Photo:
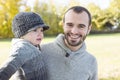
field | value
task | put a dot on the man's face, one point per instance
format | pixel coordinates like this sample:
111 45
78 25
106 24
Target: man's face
76 27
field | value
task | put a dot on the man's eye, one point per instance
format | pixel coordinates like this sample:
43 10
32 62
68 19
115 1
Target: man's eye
69 25
81 26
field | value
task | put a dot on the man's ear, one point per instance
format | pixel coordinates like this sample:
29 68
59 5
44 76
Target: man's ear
89 29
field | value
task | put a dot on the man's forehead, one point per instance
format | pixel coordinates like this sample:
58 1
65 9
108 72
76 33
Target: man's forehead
73 14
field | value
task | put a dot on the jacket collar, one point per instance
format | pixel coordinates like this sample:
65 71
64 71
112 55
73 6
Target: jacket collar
60 42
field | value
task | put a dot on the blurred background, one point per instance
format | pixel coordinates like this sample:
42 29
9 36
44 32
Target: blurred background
105 14
103 41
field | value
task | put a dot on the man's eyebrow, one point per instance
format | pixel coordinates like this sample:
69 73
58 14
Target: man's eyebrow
82 25
69 23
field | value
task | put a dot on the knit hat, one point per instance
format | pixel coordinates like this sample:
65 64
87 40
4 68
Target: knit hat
25 21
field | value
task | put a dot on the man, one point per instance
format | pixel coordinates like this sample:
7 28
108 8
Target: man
66 57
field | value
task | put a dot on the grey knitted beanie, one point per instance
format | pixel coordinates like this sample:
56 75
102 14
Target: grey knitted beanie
25 21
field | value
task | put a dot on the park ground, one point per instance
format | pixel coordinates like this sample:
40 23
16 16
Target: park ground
105 47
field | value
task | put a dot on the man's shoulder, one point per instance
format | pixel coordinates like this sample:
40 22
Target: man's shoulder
48 45
91 56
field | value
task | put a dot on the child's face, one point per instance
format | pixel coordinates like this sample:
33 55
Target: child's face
34 36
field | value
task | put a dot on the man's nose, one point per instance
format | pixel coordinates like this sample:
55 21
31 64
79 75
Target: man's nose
74 30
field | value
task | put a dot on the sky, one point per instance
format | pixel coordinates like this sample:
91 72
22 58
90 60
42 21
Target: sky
101 3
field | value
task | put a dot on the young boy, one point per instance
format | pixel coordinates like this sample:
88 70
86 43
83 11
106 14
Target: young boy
26 57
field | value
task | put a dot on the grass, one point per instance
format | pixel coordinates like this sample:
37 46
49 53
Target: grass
105 47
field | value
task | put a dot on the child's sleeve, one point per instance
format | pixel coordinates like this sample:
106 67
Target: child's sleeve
7 70
13 63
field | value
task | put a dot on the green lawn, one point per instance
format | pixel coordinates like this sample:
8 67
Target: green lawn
105 47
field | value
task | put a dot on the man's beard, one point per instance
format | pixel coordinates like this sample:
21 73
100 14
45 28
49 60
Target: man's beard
73 43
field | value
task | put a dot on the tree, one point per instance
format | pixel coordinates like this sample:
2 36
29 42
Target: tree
48 12
102 19
8 8
96 13
114 9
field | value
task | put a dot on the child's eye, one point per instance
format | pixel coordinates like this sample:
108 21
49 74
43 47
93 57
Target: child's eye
36 30
42 30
